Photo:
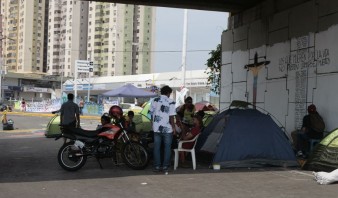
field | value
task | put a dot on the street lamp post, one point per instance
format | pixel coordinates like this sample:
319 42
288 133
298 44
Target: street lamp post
1 67
61 89
1 80
184 47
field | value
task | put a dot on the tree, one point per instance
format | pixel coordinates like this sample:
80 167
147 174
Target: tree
214 68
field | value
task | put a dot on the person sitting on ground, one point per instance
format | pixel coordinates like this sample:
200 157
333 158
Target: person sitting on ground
312 128
188 135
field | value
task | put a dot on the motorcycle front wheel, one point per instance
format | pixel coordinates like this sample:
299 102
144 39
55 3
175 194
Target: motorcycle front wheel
70 157
135 156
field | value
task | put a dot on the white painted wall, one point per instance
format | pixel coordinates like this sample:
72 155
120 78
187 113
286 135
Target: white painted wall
303 69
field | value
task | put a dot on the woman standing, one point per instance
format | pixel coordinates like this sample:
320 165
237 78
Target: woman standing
23 105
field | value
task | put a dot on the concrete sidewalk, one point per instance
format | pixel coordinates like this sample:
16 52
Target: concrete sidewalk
29 167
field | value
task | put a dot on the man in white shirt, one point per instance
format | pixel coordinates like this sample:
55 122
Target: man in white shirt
162 112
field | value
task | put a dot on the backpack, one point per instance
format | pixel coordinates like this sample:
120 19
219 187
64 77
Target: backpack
317 123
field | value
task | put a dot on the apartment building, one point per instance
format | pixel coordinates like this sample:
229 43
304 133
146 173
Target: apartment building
120 38
1 36
23 32
67 36
117 37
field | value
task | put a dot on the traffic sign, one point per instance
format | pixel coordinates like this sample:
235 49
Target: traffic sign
84 66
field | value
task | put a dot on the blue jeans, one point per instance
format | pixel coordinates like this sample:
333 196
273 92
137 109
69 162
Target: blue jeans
167 139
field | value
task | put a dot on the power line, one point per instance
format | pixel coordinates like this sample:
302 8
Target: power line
152 51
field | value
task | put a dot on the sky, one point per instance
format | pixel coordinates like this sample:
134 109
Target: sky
204 33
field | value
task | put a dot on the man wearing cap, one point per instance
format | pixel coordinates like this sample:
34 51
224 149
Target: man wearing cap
312 128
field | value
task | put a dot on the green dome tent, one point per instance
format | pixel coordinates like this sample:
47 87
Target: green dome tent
53 128
325 155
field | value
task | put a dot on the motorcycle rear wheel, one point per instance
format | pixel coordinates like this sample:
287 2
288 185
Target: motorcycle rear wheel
71 158
135 156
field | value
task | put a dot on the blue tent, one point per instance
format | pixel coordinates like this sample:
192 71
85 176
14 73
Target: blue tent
246 138
129 90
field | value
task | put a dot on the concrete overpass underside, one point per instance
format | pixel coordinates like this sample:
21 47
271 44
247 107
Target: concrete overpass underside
299 40
213 5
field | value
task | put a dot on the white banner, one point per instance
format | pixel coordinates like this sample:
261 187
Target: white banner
180 96
35 89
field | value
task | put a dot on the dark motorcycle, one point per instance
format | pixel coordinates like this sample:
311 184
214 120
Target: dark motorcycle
106 142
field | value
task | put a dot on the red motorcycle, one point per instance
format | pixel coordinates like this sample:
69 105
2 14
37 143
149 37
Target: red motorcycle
107 142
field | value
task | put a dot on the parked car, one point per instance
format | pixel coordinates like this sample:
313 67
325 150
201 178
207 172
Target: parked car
130 107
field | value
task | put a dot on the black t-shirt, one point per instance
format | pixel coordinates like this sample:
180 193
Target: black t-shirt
309 131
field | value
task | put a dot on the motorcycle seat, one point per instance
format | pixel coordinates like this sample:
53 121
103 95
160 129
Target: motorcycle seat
82 132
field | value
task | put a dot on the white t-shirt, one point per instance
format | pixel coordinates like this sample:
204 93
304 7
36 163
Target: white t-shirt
161 109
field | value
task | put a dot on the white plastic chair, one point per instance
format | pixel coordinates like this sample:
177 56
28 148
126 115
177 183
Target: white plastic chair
192 151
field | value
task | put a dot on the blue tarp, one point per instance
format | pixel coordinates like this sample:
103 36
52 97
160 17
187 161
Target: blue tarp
246 138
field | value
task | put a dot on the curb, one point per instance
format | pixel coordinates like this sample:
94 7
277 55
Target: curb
47 115
22 131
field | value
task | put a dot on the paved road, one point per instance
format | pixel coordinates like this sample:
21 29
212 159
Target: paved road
29 168
35 123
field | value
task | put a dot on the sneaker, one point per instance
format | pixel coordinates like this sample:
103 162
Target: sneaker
299 154
156 169
165 169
